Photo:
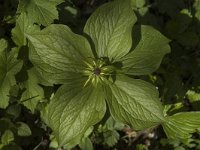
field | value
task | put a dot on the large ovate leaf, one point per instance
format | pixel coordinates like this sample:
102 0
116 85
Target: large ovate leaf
110 28
134 102
73 110
33 92
182 125
39 11
23 26
148 54
59 54
9 67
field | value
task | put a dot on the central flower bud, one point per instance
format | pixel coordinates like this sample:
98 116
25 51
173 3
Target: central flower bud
97 71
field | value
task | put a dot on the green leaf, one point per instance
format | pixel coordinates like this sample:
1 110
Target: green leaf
181 125
188 39
6 123
73 110
194 99
3 45
169 7
137 3
57 2
141 147
53 143
11 146
112 124
59 54
40 78
39 11
14 110
23 129
148 54
7 137
179 24
23 26
134 102
111 137
110 28
9 66
33 93
86 144
196 6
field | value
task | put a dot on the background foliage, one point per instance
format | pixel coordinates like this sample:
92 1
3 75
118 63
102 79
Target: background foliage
177 79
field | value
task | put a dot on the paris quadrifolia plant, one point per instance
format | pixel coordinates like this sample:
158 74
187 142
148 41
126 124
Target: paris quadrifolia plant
98 72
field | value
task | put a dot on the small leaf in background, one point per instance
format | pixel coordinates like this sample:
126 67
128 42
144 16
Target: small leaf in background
33 93
188 39
3 45
172 86
111 137
179 148
196 6
137 3
7 137
178 24
23 129
141 147
57 2
39 11
194 99
23 27
11 146
5 124
170 7
112 124
86 144
9 67
54 142
108 133
14 110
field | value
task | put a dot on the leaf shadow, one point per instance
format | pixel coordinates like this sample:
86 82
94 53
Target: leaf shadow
91 44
